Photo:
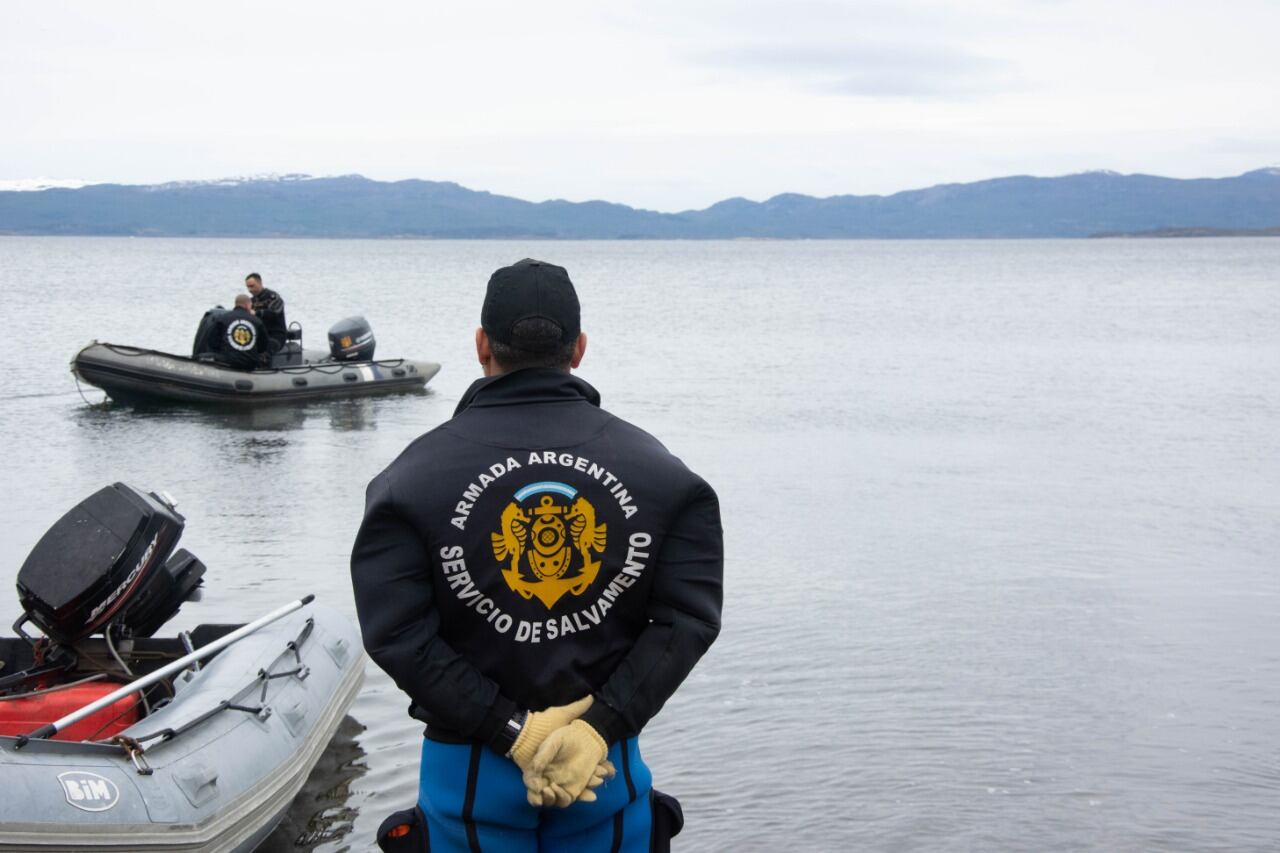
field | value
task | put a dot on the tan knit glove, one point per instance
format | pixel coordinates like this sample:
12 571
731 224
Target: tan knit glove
568 765
542 723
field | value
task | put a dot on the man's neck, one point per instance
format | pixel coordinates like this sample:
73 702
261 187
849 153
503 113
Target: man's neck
491 368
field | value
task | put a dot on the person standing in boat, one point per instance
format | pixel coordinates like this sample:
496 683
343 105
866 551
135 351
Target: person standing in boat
539 576
242 343
269 307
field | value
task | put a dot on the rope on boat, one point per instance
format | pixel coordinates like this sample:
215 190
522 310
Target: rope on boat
134 746
111 647
135 752
48 730
97 676
326 367
76 376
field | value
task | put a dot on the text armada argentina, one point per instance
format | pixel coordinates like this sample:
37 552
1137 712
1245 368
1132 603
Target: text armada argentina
541 457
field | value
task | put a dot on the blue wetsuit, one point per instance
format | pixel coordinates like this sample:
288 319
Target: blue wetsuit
473 799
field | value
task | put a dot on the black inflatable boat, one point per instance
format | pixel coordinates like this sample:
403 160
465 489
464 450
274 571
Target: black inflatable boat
133 374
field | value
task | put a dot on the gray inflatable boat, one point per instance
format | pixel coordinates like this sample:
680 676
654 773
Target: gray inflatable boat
127 741
131 375
219 763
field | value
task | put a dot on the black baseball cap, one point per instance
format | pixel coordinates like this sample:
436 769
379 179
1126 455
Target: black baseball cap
529 289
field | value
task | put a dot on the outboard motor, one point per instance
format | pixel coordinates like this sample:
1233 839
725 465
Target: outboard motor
351 340
106 565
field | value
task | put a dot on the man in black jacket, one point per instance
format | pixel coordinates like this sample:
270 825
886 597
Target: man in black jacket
269 308
242 341
539 577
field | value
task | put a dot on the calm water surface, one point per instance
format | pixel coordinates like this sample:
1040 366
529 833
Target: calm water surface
1002 517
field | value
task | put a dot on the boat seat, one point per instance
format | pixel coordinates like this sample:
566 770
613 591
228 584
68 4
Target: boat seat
290 355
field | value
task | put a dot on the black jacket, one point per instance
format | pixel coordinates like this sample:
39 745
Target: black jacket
208 339
532 550
242 341
269 307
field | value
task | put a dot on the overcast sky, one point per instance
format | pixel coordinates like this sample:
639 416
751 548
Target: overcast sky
666 104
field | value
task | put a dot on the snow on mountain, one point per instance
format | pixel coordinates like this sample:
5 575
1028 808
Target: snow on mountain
269 177
36 184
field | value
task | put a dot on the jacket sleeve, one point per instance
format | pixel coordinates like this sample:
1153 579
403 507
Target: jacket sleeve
395 602
684 619
261 342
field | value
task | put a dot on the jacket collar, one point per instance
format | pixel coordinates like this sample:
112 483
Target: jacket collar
531 385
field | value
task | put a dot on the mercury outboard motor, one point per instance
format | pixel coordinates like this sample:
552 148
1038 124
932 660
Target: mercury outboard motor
351 340
106 565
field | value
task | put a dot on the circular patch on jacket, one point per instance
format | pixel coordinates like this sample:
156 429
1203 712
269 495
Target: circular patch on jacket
240 335
556 550
540 534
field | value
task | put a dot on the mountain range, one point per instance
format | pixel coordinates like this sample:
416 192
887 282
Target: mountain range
1079 205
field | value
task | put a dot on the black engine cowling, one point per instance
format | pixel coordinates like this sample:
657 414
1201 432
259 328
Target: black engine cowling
351 339
107 562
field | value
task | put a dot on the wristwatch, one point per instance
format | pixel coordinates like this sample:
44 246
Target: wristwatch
512 728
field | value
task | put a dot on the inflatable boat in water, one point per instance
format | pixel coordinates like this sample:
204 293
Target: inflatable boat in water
132 375
113 739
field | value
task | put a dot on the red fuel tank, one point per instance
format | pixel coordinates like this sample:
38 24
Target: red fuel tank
22 714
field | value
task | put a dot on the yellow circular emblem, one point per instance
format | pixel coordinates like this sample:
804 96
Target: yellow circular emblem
550 548
240 335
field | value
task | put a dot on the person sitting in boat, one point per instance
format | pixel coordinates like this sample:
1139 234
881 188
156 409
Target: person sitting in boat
269 306
243 342
209 333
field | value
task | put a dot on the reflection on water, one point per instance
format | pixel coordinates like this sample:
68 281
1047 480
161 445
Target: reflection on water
353 415
260 449
350 415
323 813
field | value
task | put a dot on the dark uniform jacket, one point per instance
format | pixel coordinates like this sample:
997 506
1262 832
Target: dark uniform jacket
208 339
269 307
242 342
532 550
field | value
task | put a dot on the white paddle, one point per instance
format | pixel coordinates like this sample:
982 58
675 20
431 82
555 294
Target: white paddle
51 729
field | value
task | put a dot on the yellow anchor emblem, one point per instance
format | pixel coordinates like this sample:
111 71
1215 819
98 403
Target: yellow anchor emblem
540 548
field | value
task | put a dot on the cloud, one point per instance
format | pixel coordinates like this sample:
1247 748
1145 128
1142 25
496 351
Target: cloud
870 69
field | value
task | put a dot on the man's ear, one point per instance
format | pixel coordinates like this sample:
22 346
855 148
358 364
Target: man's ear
579 350
483 352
